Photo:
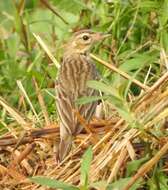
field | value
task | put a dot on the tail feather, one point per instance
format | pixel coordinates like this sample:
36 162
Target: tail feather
64 147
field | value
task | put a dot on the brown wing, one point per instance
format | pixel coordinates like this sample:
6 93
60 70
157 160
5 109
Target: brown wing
65 108
67 121
72 80
88 110
68 90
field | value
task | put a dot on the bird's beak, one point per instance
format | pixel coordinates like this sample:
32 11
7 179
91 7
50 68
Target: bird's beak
100 36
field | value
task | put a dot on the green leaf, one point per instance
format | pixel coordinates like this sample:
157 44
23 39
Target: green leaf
163 13
136 63
123 110
139 61
164 40
73 6
86 99
149 4
158 179
133 166
103 87
13 45
118 185
85 166
99 185
52 183
114 98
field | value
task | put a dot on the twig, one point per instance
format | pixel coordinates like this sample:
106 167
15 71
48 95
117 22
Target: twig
47 51
23 155
94 138
156 85
19 140
23 91
137 49
14 113
122 73
46 3
15 174
118 164
159 82
41 102
163 58
29 137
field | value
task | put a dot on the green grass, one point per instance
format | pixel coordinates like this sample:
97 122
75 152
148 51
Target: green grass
138 28
139 41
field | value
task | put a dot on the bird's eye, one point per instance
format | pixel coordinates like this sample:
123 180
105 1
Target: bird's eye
85 37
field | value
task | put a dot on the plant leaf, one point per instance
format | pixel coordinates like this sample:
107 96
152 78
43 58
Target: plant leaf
133 166
89 99
113 97
118 185
73 6
99 185
52 183
85 166
98 85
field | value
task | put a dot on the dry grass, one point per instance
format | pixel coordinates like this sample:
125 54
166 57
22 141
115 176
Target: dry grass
114 145
137 51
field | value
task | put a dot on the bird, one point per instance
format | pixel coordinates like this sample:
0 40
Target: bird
76 69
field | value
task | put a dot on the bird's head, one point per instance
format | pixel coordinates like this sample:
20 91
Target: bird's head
82 40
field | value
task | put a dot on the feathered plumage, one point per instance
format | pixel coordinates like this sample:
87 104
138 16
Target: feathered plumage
76 69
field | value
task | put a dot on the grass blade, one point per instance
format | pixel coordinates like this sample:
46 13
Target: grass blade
52 183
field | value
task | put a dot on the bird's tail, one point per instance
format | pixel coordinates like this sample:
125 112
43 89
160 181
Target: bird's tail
64 147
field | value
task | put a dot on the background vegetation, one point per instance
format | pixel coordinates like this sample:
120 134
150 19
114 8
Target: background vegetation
138 46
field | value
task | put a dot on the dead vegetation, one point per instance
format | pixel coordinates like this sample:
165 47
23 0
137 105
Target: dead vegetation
113 142
134 63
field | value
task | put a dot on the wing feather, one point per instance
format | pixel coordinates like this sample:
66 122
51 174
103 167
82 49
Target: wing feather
74 74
